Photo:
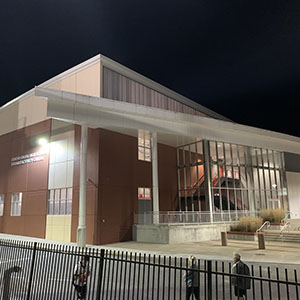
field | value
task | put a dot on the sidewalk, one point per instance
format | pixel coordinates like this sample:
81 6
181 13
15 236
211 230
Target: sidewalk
276 252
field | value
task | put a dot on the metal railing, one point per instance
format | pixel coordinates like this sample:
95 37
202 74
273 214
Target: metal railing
189 217
288 216
267 223
38 271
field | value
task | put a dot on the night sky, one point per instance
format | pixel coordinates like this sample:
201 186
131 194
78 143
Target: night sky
238 58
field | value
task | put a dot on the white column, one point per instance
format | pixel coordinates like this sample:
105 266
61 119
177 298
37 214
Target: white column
81 230
155 196
208 195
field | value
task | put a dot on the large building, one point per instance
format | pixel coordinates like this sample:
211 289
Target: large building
150 152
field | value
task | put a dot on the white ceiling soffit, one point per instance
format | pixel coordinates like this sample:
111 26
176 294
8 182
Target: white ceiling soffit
127 117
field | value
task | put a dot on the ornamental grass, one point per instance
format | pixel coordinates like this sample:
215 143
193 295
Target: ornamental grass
247 224
272 215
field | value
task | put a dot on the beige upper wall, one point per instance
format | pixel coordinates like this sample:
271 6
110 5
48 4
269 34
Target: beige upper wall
30 109
86 81
26 112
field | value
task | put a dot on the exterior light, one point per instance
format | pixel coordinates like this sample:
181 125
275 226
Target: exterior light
42 142
274 185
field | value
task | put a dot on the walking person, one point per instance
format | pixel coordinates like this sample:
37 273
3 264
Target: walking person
81 273
241 284
192 279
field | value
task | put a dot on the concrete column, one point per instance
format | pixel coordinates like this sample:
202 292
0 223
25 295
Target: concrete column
208 196
81 230
155 196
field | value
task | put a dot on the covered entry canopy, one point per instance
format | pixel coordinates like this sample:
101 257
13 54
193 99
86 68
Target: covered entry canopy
173 128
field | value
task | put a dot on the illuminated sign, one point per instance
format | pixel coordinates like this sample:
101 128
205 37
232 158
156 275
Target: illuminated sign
28 158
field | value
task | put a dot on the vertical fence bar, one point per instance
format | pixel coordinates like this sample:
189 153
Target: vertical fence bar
112 274
31 271
180 275
217 293
261 283
158 278
134 271
175 270
143 282
270 285
139 276
105 274
148 276
296 284
278 284
169 280
223 280
229 271
100 275
153 277
108 273
209 280
121 274
117 273
287 285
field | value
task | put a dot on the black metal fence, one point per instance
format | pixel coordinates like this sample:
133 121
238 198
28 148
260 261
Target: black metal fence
45 271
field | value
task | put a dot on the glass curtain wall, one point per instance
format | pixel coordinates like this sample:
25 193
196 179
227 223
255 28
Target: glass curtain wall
242 178
191 192
246 178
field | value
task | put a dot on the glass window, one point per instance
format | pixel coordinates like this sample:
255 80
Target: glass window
144 193
228 154
241 155
16 204
234 154
144 145
213 155
60 201
1 204
220 153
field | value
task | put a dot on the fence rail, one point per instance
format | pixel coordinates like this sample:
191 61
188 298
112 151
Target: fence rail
42 271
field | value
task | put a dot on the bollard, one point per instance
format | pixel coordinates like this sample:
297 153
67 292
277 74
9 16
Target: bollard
224 238
261 240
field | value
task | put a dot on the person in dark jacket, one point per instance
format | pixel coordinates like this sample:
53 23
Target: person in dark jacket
241 284
192 279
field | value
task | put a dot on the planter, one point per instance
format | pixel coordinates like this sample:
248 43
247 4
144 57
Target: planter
242 236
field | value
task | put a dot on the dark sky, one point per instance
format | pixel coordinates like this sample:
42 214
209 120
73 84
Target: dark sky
238 58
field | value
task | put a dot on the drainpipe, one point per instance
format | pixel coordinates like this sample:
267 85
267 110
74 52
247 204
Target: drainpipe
81 230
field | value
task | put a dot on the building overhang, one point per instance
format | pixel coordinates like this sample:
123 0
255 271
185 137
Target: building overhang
173 128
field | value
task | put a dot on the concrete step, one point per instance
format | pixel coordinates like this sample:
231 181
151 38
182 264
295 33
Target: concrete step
285 236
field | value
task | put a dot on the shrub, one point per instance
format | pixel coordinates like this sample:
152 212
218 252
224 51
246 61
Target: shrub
248 224
272 215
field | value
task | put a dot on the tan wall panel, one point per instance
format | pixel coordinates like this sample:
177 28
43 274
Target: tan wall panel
26 112
59 228
85 82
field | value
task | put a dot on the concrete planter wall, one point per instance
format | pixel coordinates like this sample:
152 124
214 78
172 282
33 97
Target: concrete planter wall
175 234
242 236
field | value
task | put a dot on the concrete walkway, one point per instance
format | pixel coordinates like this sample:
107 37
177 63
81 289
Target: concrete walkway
276 252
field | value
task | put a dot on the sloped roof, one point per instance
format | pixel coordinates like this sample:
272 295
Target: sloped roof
105 61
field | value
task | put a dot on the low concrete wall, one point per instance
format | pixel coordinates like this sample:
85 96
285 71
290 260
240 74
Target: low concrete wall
176 234
241 236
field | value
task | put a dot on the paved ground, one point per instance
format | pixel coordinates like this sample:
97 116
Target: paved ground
276 252
286 253
124 280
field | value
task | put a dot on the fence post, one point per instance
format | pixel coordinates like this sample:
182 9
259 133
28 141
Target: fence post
31 270
209 280
102 253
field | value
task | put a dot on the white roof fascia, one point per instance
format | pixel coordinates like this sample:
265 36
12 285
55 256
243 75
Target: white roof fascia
212 125
111 64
